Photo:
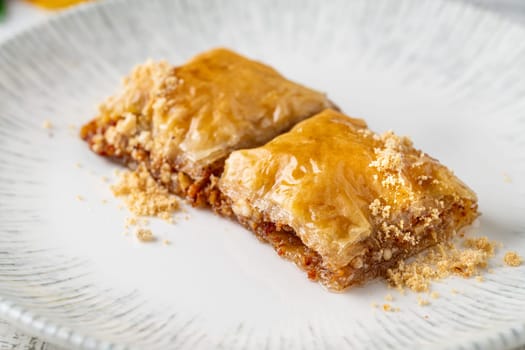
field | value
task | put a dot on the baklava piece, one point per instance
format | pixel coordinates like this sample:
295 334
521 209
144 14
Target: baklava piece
342 202
182 122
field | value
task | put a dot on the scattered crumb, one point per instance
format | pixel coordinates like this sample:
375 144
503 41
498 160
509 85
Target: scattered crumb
78 165
397 309
71 127
125 233
186 217
104 179
374 305
506 178
47 124
143 195
387 307
104 201
482 244
512 259
454 291
144 235
389 297
434 295
79 197
422 302
166 242
425 317
480 278
131 221
441 261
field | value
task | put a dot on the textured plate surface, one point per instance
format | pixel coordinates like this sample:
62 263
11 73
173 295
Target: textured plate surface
451 77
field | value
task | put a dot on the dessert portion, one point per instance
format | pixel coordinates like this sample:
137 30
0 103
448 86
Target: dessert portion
182 122
343 203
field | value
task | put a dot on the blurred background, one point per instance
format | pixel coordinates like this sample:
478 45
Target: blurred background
18 14
15 15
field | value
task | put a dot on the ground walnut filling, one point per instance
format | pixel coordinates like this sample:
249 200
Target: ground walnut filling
127 143
376 256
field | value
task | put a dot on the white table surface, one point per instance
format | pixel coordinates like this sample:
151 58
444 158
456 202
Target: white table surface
20 16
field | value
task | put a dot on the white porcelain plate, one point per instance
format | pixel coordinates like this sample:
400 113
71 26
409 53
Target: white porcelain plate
449 76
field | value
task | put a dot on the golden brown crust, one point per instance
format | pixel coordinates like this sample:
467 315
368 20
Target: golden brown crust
187 119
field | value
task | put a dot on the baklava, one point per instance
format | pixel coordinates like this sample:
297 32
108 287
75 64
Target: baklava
342 202
182 122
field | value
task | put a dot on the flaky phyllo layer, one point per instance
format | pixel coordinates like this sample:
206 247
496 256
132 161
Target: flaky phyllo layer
189 118
355 198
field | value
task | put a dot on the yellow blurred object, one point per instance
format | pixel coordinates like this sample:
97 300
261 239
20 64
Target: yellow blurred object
55 4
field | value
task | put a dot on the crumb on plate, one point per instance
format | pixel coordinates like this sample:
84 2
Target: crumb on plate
512 259
143 195
47 124
144 235
441 261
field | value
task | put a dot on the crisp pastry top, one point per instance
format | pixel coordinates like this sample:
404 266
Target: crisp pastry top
329 176
198 113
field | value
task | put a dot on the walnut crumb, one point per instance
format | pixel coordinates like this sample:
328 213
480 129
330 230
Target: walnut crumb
143 195
79 198
512 259
131 221
422 302
441 261
387 307
47 124
434 295
166 242
144 235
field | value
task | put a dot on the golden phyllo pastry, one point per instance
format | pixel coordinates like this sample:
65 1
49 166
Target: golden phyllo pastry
182 122
342 202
